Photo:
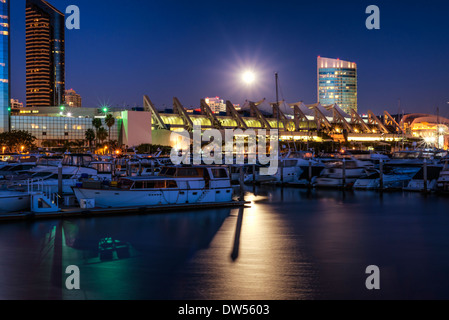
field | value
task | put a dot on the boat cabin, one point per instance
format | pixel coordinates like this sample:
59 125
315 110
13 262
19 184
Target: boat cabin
179 177
49 161
102 167
77 160
196 172
137 184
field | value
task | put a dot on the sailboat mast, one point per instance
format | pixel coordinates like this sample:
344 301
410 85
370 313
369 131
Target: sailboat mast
277 112
277 98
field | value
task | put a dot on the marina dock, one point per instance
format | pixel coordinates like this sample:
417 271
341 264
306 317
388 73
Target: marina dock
74 213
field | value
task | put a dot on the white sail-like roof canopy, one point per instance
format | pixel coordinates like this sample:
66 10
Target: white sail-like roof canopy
304 109
327 113
286 109
246 106
265 108
338 109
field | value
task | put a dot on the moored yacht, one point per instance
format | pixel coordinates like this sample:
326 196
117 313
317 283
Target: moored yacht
390 181
341 173
414 158
443 179
288 171
173 186
425 179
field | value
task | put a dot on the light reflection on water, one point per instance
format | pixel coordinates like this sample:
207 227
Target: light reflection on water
290 244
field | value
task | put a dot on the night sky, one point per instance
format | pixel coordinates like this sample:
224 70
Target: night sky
193 49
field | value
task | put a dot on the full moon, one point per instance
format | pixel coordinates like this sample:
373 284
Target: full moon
248 77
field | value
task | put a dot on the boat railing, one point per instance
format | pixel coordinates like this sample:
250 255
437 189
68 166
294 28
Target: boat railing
38 185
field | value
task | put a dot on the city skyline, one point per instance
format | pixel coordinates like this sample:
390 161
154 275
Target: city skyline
202 50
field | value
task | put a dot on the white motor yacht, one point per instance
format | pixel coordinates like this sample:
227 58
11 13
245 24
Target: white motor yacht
173 186
341 173
419 183
443 179
414 158
75 168
391 181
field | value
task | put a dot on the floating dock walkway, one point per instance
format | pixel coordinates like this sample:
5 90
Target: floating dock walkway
72 213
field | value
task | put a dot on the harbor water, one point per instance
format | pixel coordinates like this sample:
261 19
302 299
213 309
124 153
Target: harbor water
288 244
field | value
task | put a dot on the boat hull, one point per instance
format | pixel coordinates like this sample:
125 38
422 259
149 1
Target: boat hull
147 198
418 185
14 202
390 182
326 182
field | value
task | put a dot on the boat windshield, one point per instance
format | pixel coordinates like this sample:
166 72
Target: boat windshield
46 161
406 155
125 184
155 184
290 163
220 173
102 167
77 160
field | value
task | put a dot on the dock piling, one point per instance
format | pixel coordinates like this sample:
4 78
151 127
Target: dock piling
254 174
242 182
425 175
282 172
381 169
60 180
310 173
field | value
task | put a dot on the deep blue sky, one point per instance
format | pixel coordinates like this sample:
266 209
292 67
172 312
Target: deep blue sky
192 49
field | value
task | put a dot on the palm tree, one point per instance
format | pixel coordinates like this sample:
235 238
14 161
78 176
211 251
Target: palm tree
90 136
97 123
102 134
110 121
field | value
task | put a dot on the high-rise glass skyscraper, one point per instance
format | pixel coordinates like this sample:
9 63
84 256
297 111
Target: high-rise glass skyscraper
4 65
337 83
45 55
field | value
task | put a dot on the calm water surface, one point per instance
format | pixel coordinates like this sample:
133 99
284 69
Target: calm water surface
290 244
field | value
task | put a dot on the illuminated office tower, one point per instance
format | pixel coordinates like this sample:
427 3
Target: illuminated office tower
45 55
216 104
337 83
5 90
72 99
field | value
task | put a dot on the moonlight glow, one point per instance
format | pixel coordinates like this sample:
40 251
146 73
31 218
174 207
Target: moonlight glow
248 77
